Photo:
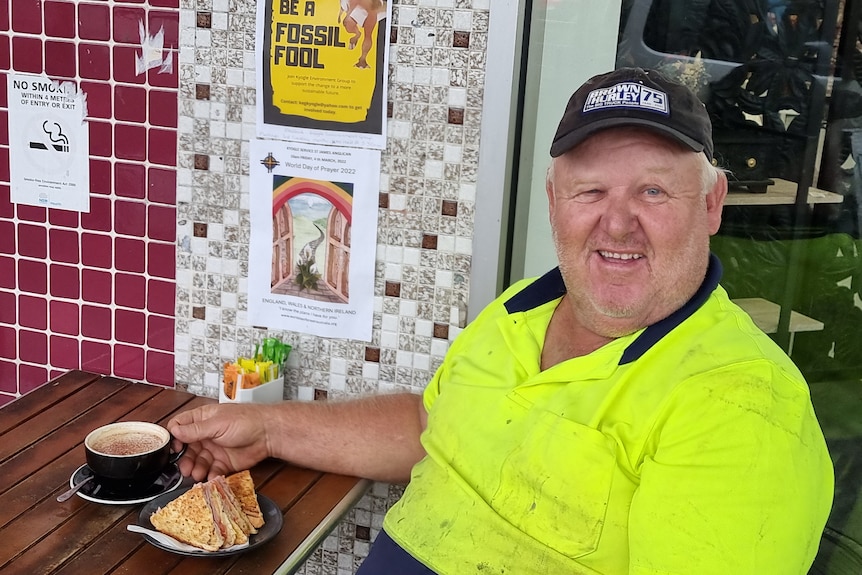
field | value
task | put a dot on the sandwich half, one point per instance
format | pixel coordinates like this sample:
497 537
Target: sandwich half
242 486
189 518
236 516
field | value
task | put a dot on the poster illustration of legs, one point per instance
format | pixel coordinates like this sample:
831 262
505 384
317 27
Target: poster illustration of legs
313 238
323 71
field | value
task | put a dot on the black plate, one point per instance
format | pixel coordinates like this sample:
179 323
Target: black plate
273 521
94 491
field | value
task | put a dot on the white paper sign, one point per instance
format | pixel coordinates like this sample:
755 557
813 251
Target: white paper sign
49 143
313 238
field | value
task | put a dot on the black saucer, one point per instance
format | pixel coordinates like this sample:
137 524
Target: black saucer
98 492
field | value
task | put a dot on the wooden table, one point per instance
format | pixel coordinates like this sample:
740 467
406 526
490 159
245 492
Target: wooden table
41 437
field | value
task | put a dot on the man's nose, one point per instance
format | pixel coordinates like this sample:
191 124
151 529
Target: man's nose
620 215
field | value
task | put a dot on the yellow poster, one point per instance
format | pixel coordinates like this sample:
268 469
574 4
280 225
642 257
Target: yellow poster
323 65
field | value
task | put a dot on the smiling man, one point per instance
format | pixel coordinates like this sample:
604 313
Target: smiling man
618 415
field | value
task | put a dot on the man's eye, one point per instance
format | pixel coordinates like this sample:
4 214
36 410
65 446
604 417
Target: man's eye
587 196
654 194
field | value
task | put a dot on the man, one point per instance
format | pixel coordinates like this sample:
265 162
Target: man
618 415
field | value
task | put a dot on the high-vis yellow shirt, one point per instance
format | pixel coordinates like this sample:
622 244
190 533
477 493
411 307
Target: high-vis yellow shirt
690 447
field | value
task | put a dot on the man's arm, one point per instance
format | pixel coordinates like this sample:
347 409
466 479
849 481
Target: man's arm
374 437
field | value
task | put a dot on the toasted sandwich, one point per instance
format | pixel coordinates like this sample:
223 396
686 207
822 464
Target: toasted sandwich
210 515
242 486
190 519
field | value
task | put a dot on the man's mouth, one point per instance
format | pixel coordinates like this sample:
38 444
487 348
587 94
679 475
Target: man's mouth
619 255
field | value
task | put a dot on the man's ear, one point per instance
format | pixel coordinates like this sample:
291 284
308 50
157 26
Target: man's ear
715 202
549 187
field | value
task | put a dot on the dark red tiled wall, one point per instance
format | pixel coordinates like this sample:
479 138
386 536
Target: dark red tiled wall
95 290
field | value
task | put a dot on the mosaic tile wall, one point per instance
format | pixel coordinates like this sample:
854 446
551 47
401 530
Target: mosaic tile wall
94 290
426 206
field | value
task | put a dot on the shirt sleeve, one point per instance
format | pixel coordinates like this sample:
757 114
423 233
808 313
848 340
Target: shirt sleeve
735 478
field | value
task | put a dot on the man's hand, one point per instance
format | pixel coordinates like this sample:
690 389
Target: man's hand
221 439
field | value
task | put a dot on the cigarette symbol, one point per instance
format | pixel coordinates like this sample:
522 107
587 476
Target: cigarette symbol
60 142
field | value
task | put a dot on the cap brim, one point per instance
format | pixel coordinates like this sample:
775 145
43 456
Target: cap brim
575 137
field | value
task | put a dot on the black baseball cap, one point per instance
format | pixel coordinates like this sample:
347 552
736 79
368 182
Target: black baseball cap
634 97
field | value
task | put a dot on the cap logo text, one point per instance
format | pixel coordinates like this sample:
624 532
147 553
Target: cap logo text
627 95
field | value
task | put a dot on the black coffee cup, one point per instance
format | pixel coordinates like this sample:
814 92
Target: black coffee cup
129 454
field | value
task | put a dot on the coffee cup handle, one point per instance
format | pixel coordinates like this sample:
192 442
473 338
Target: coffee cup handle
176 455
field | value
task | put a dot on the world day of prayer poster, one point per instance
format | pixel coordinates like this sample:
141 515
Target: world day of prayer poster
323 71
49 143
313 238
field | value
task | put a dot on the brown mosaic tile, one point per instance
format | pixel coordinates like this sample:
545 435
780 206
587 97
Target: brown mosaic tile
393 289
429 241
393 35
363 533
461 40
202 91
205 20
390 107
450 208
320 394
441 331
456 116
199 312
383 200
200 230
202 162
372 354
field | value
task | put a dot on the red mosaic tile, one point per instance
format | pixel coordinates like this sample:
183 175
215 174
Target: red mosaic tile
126 20
100 177
4 399
4 14
94 61
101 139
4 164
5 53
59 19
130 180
65 281
130 104
94 22
27 16
64 352
160 368
162 223
97 286
163 147
162 186
32 277
27 54
8 343
131 290
8 309
165 76
30 377
130 218
96 322
63 218
161 260
32 213
64 317
96 357
60 59
99 102
33 312
96 251
32 241
163 108
130 142
99 217
33 346
7 237
8 273
124 65
129 362
4 127
129 255
167 21
160 332
161 297
63 246
4 94
129 326
7 209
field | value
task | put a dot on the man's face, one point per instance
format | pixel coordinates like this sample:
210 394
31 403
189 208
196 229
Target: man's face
631 226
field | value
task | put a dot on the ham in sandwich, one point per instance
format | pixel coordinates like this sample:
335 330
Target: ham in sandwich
242 486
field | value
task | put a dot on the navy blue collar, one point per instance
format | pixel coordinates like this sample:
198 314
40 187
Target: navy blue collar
550 287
